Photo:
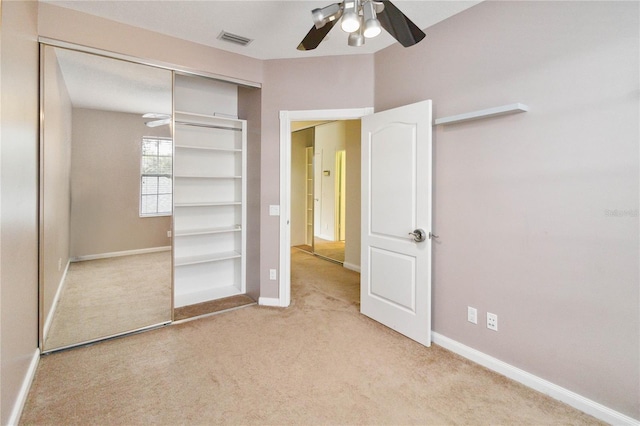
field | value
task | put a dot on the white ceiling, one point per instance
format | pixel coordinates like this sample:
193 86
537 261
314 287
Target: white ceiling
108 84
277 27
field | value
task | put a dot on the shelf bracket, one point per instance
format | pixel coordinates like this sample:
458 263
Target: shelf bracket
484 113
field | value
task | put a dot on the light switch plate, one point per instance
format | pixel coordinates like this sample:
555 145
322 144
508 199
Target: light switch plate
274 210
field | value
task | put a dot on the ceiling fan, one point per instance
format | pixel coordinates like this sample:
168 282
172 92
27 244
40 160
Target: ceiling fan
361 19
157 119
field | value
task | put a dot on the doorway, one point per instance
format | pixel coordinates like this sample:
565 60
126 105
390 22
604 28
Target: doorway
286 119
319 187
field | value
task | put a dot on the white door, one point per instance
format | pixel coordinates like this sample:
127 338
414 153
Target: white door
396 200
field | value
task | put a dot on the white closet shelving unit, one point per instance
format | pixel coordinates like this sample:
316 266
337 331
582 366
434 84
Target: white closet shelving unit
209 193
309 197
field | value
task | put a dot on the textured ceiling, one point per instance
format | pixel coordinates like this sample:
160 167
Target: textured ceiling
277 27
112 85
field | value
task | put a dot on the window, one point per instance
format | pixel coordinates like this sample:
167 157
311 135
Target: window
155 177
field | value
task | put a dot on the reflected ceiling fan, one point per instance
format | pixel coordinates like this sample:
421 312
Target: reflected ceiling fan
157 119
361 19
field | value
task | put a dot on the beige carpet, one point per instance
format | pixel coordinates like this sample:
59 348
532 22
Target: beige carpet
111 296
330 249
316 362
212 306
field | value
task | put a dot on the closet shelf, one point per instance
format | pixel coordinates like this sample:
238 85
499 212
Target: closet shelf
204 120
205 231
208 148
180 176
207 258
209 204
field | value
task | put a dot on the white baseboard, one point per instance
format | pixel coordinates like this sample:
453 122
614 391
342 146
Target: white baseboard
119 253
325 237
351 266
586 405
54 304
269 301
16 412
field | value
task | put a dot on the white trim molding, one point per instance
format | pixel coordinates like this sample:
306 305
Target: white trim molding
119 253
54 304
286 117
579 402
270 301
149 62
16 412
351 267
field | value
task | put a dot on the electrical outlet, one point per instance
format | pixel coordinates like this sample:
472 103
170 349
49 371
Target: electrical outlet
492 321
273 274
168 234
472 315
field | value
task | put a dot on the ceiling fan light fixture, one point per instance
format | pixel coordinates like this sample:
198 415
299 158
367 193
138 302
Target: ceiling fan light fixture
350 18
356 39
362 19
372 27
326 14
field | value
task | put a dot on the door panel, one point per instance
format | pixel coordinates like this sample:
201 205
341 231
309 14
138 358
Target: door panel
388 194
396 192
387 268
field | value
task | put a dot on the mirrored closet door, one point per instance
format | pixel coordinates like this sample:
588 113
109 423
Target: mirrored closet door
319 187
105 197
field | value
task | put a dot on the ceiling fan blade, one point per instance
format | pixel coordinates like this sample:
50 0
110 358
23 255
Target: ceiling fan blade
156 123
156 115
315 36
399 26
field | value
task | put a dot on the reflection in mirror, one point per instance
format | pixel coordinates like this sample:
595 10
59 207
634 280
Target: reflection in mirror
329 229
105 209
319 186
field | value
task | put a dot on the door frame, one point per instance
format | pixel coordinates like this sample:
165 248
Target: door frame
286 117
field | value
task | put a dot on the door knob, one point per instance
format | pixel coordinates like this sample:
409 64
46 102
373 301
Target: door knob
418 235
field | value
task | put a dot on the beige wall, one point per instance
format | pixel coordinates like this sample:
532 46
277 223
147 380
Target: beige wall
352 240
18 198
105 185
249 108
525 204
55 180
332 82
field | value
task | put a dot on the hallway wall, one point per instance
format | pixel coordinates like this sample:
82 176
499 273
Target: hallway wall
327 83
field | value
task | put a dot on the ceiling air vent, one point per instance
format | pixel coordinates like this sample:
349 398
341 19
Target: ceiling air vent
233 38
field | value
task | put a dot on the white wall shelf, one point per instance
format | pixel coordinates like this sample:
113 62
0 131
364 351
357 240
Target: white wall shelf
484 113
